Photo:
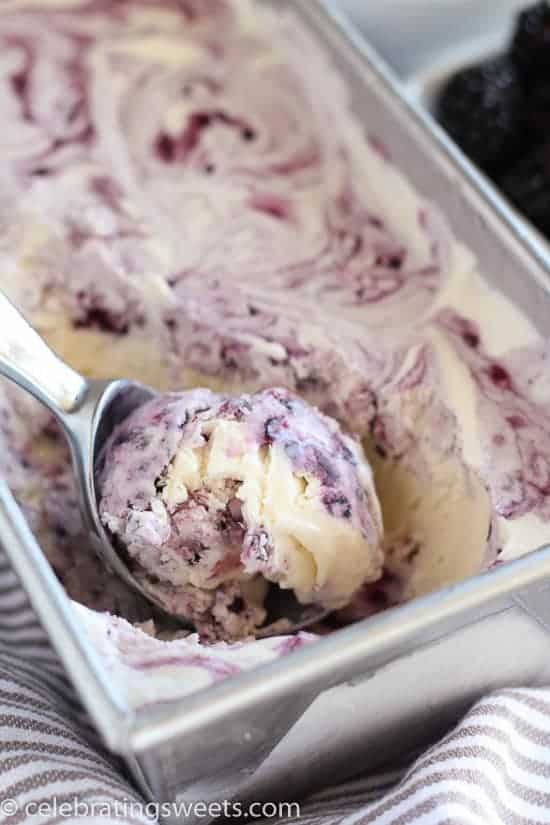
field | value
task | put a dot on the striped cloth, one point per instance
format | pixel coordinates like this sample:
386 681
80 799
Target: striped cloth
492 769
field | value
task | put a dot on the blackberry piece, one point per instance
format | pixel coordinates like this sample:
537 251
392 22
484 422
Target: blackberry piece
481 108
536 115
527 185
530 47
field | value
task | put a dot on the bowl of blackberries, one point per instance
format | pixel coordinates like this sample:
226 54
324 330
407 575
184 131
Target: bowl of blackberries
498 111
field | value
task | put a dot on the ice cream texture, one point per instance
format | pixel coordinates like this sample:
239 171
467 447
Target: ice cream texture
214 497
180 205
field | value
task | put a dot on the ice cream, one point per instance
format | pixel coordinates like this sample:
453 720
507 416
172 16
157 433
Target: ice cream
180 205
154 666
214 497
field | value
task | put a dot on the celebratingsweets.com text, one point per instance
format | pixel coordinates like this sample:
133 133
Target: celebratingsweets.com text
65 808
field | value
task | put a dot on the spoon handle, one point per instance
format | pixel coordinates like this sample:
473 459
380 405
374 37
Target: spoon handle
26 359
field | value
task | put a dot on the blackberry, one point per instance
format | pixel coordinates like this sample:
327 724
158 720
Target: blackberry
536 115
530 48
527 185
481 108
97 317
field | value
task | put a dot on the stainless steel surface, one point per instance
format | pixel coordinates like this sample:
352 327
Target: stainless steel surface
26 359
87 411
103 701
359 696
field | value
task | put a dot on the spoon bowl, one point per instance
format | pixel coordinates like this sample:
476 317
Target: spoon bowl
88 410
105 405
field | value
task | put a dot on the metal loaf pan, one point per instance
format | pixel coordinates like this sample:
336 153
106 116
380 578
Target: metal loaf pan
364 694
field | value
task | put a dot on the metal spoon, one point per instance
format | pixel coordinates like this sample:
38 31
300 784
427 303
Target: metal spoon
88 410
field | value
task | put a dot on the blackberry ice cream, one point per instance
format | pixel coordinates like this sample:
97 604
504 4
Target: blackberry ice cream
179 205
213 497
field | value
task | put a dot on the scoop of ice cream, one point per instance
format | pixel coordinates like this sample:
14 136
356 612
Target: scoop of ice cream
213 497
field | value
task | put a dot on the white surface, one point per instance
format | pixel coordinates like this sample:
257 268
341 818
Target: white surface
425 84
411 33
